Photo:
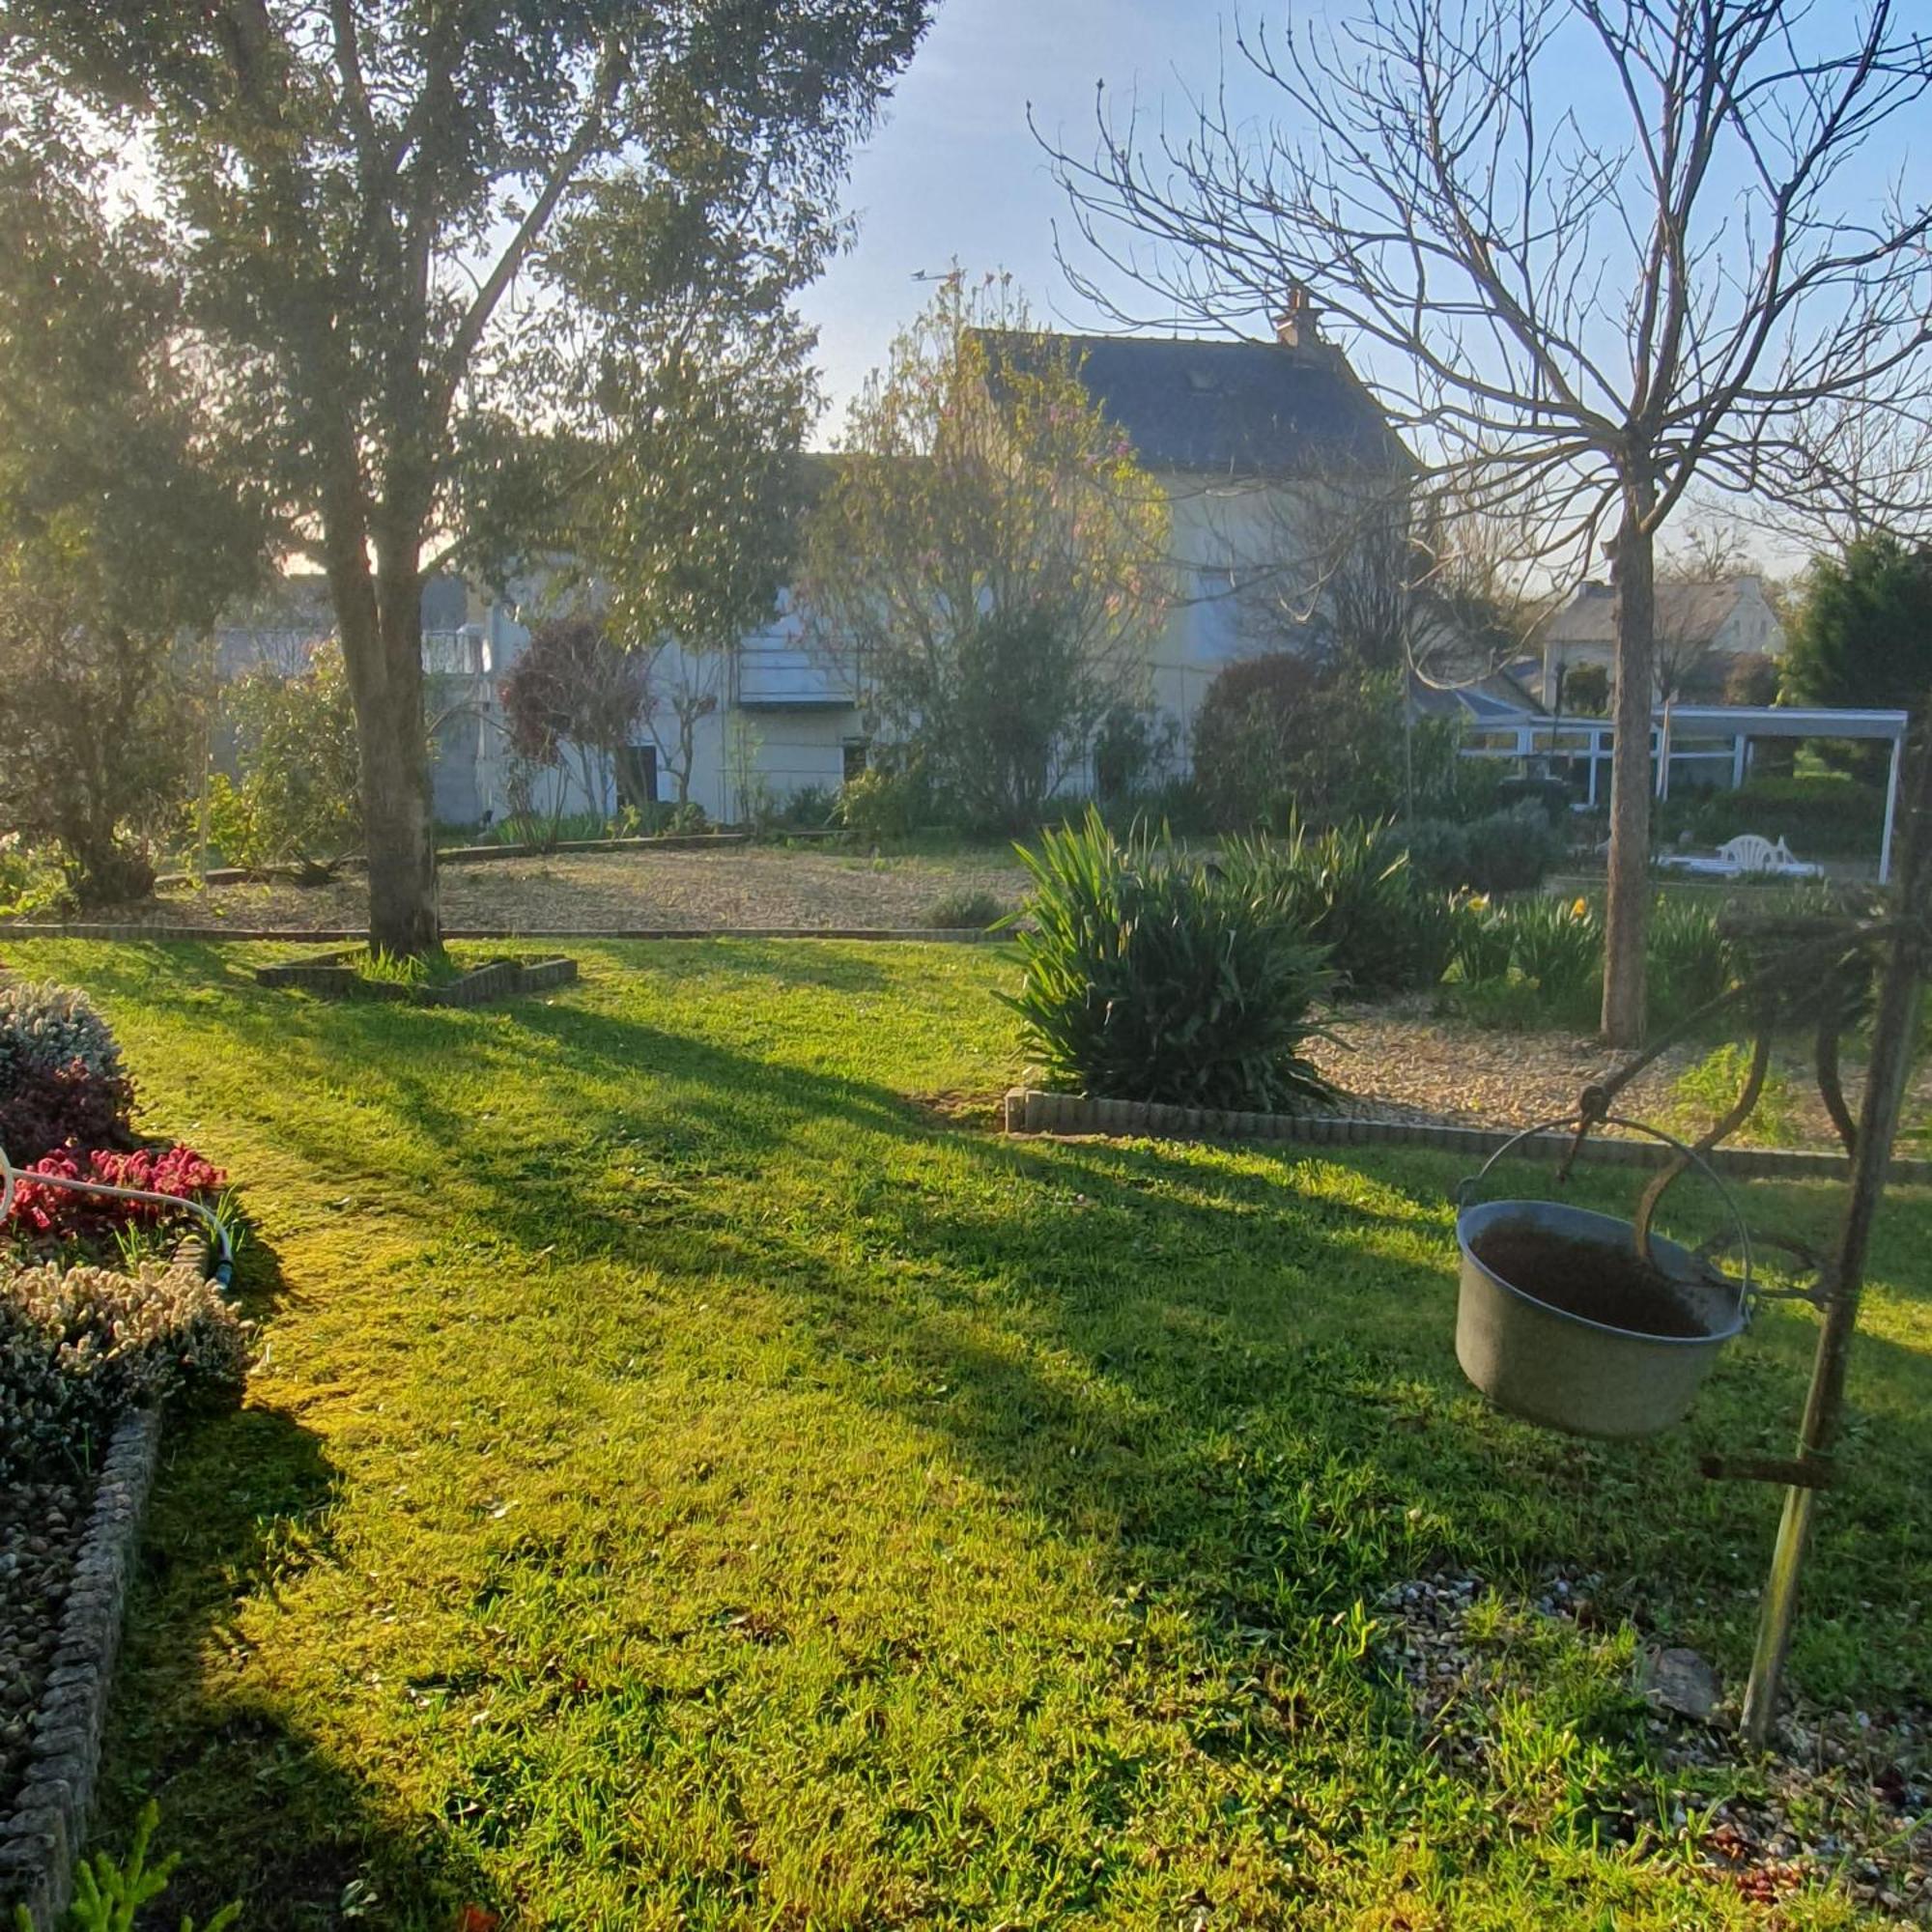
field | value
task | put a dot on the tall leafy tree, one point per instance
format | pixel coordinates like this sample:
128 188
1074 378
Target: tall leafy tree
989 558
377 201
121 526
1862 635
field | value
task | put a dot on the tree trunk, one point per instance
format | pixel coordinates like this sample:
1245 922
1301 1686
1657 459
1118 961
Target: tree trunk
382 648
1634 577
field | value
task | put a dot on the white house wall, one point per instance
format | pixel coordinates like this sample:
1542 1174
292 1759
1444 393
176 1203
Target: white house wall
781 723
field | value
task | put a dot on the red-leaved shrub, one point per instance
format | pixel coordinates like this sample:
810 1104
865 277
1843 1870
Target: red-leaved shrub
178 1171
43 1108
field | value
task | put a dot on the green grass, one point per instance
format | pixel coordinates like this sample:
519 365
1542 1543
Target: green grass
688 1483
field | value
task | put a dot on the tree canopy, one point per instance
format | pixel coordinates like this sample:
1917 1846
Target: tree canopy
121 525
989 558
387 216
1863 634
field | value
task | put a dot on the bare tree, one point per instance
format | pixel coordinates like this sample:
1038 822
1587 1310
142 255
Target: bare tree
1575 322
685 686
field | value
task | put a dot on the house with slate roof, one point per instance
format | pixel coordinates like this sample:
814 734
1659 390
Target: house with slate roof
1260 447
1705 628
1270 454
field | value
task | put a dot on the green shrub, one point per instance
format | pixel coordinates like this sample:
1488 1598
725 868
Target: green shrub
882 804
963 912
110 1893
1279 737
1352 890
1705 1093
32 882
298 800
1482 940
1832 815
46 1025
1689 963
1508 851
1151 975
1557 944
809 808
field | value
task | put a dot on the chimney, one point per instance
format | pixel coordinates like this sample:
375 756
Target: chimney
1299 324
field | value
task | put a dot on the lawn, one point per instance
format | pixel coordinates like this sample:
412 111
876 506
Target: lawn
691 1482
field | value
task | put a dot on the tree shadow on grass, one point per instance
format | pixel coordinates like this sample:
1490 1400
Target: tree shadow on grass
1279 1315
244 1505
1234 1378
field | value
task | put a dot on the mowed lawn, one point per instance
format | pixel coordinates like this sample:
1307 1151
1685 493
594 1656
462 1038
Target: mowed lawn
691 1481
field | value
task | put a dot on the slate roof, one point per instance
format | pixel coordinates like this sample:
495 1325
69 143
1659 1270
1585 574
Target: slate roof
1495 699
1235 409
1693 612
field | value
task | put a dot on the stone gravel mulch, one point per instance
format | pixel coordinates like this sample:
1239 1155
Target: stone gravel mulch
1846 1802
586 892
1408 1061
42 1523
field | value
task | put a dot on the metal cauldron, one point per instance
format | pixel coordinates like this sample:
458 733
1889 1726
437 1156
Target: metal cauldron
1565 1370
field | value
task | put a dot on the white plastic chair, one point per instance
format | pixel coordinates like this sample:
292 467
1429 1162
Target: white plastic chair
1754 852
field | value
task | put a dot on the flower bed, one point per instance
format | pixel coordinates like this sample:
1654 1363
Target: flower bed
106 1316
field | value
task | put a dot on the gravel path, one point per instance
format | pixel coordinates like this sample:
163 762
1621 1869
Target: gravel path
755 885
1845 1804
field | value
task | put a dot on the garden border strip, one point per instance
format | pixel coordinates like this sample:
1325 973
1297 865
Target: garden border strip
331 976
1030 1111
40 1838
326 935
470 855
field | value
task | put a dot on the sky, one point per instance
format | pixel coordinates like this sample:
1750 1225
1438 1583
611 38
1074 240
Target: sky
954 172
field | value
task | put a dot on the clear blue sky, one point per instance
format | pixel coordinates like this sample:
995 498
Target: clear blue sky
955 173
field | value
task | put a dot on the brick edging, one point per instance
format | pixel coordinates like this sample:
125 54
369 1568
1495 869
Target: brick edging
1030 1111
330 976
332 935
40 1838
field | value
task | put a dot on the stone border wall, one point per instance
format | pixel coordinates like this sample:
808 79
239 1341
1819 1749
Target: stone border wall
471 855
43 1837
1029 1111
331 976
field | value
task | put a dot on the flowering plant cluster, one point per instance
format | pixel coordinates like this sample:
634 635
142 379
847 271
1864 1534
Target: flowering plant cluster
178 1171
81 1346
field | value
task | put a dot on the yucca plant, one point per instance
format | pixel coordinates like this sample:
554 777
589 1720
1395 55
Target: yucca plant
1352 890
1688 961
1152 976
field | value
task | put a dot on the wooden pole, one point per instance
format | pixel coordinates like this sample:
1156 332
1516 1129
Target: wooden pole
1894 1028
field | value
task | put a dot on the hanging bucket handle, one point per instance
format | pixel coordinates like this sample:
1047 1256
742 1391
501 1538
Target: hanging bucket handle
1747 1293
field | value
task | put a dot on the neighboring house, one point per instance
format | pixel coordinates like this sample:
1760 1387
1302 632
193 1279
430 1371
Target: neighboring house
1271 455
1703 631
1266 452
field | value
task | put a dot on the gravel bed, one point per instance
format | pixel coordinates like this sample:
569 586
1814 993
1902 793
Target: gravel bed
1403 1060
1846 1802
42 1523
754 886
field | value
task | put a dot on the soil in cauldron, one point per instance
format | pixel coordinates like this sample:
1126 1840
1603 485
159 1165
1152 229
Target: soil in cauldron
1601 1284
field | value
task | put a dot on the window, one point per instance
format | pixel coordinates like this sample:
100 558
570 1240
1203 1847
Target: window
855 751
638 776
